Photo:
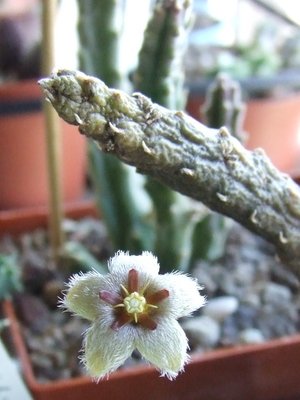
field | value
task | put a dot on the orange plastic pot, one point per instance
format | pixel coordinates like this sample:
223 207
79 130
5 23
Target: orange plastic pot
23 166
256 372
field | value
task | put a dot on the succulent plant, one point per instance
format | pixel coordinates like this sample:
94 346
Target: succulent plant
112 181
206 164
223 107
10 275
173 226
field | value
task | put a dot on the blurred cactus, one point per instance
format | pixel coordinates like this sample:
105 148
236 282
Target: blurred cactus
99 34
160 76
76 257
10 275
223 107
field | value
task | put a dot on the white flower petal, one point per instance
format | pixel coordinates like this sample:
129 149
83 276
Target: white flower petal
176 295
122 263
106 349
165 347
184 296
82 297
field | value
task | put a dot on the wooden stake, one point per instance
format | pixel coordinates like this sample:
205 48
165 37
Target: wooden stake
53 138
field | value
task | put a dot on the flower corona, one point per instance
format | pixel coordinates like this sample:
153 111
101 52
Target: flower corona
133 305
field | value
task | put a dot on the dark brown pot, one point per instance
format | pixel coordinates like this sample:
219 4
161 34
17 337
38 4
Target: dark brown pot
23 178
256 372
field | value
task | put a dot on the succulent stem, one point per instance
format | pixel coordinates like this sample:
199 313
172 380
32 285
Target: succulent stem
209 165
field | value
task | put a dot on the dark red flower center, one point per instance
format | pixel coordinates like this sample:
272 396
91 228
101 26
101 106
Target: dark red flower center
133 305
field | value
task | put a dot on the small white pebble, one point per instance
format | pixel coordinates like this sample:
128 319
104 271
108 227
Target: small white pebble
202 331
251 336
221 307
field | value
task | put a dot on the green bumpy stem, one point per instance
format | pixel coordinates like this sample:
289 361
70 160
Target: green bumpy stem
160 76
128 228
175 218
99 39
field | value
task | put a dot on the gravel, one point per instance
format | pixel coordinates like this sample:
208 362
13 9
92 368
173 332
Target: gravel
251 298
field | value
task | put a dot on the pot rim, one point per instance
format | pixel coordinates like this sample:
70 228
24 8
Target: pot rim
206 359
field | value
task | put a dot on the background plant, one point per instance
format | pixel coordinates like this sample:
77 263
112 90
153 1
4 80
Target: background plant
113 182
10 275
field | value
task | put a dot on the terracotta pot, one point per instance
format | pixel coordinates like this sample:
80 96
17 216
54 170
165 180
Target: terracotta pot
10 8
273 125
21 220
23 177
256 372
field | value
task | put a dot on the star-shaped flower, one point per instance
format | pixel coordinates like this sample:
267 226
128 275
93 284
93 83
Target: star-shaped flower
133 307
